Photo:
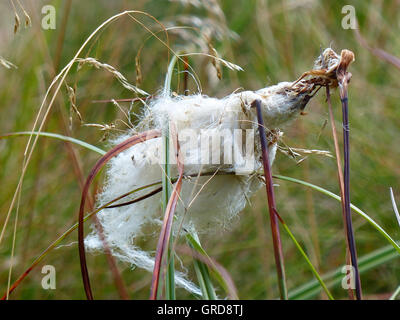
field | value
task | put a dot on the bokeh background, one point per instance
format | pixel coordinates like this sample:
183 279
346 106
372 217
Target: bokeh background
273 41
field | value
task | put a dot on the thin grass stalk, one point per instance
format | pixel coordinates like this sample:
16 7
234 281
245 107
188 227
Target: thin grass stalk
166 193
165 234
36 188
340 178
350 232
278 252
313 270
394 205
343 78
100 163
13 244
166 184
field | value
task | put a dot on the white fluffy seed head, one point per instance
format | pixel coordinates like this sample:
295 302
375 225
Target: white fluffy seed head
206 202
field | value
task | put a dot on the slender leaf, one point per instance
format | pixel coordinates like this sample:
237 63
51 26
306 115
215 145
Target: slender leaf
56 136
100 163
353 207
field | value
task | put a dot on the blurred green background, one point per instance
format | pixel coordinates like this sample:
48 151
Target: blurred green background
273 41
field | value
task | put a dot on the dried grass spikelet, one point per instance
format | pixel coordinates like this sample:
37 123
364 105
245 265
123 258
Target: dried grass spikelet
118 75
211 201
17 20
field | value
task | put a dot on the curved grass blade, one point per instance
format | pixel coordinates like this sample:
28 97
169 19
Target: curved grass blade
353 207
56 136
313 270
100 163
335 277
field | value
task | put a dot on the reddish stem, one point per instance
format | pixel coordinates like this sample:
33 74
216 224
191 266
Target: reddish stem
276 238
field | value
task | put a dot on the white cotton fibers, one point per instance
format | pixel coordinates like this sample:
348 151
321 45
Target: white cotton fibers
219 139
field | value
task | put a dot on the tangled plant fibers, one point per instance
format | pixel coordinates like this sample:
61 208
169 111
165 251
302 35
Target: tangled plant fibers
210 200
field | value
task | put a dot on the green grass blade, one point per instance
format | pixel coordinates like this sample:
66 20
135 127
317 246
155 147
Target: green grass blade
166 193
353 207
335 277
219 277
56 136
203 275
313 270
395 294
200 278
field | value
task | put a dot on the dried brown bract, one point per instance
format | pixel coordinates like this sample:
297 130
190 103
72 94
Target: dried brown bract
327 68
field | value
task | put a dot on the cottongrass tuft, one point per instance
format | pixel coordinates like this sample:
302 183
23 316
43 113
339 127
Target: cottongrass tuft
215 193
